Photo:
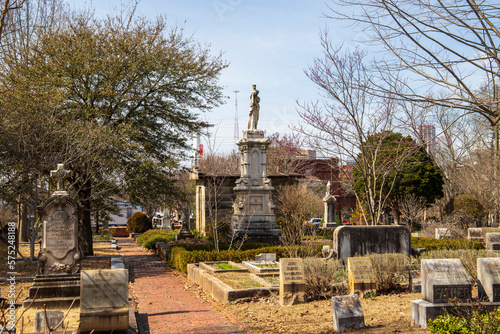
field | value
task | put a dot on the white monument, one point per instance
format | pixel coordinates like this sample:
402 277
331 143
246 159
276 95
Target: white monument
329 202
253 218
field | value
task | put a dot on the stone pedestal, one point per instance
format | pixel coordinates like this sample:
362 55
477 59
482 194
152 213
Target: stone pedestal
253 219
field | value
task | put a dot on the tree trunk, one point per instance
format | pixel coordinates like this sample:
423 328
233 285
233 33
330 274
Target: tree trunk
22 221
85 194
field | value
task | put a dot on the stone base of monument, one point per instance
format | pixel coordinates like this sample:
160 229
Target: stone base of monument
330 225
258 232
105 321
55 291
422 311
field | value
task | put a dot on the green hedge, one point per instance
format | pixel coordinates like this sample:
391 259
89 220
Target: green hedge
180 256
440 244
149 238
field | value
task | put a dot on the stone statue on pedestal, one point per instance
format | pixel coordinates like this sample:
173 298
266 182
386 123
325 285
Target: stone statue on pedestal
254 108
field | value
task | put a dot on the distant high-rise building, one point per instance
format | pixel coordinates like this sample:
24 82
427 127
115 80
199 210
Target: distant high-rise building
428 136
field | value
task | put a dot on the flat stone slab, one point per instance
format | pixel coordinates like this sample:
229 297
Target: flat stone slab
492 241
347 313
260 266
445 279
54 318
265 257
488 275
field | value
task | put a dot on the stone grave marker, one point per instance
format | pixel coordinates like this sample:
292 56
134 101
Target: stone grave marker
360 274
265 257
347 313
292 282
445 279
492 241
475 234
351 241
57 282
104 300
488 275
54 318
443 233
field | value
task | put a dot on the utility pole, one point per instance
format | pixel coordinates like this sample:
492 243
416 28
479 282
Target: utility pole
236 128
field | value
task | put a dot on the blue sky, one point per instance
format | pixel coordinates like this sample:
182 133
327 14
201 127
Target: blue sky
269 43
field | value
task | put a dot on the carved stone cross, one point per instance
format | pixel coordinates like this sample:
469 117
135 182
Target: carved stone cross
60 173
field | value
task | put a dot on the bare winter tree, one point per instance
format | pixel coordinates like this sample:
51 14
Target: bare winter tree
411 207
447 50
344 124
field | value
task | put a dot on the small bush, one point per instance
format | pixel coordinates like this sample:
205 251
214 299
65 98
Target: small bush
389 270
478 323
325 279
149 239
441 244
139 222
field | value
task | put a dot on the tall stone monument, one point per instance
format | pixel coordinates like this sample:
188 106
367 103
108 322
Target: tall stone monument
329 202
253 217
59 262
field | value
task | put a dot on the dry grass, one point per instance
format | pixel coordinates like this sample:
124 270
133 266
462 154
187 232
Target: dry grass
324 278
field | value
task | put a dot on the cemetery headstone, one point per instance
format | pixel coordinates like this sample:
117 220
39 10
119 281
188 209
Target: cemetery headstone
54 318
445 279
351 241
265 257
292 282
443 233
104 300
492 241
57 282
475 234
360 274
347 313
488 275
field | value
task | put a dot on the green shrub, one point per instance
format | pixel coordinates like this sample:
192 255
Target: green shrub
468 204
139 222
149 239
478 323
437 244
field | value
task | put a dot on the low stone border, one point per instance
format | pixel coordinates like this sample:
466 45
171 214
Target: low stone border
220 290
208 266
162 250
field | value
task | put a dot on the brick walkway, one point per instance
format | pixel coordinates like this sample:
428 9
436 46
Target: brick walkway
164 304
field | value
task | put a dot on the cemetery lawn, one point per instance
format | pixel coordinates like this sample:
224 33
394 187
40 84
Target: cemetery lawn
383 314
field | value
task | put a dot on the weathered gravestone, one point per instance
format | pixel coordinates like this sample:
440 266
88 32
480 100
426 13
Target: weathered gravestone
349 241
104 300
443 280
347 313
53 320
292 282
59 263
488 275
475 234
360 274
265 257
492 241
443 233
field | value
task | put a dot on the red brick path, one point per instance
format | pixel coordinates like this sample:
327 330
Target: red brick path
164 304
